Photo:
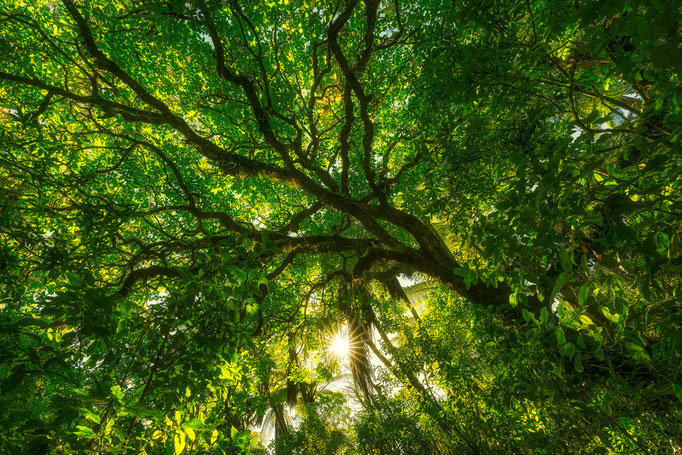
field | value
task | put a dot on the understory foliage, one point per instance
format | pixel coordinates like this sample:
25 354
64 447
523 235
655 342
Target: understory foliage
197 197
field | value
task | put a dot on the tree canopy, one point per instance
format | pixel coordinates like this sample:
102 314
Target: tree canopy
483 198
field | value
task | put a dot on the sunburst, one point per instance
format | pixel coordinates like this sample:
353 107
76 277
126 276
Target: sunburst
340 345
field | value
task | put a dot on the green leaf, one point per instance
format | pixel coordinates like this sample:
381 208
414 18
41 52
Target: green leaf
638 353
562 279
560 337
580 342
578 363
85 396
117 393
142 412
615 318
544 314
469 276
240 275
88 414
592 117
74 280
585 321
599 353
84 432
27 322
527 315
567 350
677 388
126 307
195 424
535 338
583 293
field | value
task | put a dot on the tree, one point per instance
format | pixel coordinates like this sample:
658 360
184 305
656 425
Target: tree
195 193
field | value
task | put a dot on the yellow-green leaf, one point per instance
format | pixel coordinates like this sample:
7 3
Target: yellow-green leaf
179 442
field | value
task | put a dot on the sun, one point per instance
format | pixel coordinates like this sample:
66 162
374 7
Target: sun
340 345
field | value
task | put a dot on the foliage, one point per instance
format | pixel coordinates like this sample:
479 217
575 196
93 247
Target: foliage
195 197
390 426
323 428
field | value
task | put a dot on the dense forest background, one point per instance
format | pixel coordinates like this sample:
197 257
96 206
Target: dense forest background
379 227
